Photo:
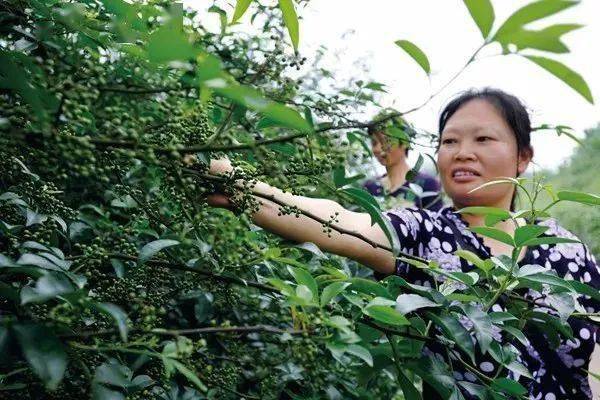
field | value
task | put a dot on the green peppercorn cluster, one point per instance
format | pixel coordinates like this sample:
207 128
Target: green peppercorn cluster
94 167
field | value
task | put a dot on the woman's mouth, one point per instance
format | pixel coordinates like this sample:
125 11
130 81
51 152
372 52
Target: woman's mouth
464 175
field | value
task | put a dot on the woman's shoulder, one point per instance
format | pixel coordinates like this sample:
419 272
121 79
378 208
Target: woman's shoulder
427 181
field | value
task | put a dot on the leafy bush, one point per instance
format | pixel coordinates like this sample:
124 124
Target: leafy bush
580 173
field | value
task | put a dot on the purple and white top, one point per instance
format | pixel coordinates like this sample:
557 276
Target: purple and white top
558 373
430 198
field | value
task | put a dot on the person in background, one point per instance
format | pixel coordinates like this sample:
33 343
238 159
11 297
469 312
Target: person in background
392 153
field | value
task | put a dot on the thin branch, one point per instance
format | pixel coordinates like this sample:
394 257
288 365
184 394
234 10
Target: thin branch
130 90
185 332
390 331
183 267
193 149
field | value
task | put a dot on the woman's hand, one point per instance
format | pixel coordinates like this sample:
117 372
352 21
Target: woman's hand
218 167
221 166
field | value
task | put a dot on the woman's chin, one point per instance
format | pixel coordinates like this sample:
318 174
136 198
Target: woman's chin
464 198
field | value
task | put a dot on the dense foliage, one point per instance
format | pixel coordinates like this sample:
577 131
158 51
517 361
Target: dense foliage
579 173
118 281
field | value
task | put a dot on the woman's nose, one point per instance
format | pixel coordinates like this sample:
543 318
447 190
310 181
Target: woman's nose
465 152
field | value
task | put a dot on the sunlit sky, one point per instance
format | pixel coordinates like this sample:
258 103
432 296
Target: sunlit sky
363 32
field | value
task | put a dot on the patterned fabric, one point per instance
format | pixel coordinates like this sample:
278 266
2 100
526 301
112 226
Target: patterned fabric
428 183
558 373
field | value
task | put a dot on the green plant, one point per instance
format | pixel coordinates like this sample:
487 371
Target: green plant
116 279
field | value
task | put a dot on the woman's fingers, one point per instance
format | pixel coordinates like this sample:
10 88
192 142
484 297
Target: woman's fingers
220 166
218 200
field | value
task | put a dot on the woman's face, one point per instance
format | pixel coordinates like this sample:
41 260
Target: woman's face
384 150
478 146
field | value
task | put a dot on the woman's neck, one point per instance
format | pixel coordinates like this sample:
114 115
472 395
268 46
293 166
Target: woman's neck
479 220
396 174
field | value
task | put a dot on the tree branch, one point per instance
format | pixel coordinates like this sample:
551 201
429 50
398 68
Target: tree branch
183 267
184 332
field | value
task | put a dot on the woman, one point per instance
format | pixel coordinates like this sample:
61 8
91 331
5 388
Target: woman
484 135
393 156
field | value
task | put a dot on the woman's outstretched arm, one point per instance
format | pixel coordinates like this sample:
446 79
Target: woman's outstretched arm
306 229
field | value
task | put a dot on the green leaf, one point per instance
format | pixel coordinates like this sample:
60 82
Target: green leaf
498 317
565 74
482 13
362 197
33 218
494 233
169 43
113 373
478 210
549 279
397 133
411 175
517 334
240 9
409 391
476 390
482 325
406 303
254 100
454 331
370 205
101 392
549 240
38 261
191 376
416 53
519 369
529 13
361 353
585 289
468 278
340 179
331 291
291 21
283 287
579 197
509 386
551 326
222 17
150 249
303 277
563 303
46 287
547 39
43 351
528 232
386 314
337 321
473 259
117 314
304 295
370 287
530 269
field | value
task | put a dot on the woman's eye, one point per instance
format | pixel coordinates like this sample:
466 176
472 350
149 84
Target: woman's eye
483 138
448 141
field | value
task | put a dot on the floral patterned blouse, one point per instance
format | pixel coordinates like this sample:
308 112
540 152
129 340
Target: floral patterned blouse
429 199
557 373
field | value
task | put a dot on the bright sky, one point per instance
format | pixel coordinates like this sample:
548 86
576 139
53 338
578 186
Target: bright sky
445 32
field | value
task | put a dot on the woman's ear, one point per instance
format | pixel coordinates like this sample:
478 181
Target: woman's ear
525 156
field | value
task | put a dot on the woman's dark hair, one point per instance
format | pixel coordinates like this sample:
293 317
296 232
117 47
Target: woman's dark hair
510 107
